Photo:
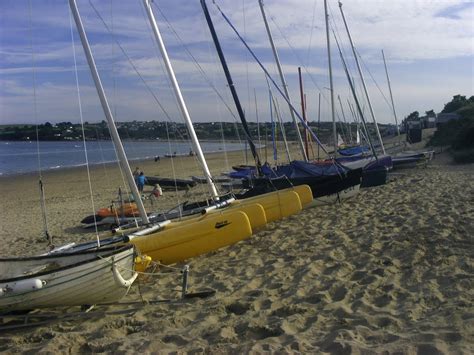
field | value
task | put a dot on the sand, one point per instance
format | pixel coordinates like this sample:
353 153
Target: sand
387 272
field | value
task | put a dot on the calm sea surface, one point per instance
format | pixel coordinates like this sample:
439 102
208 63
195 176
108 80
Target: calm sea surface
22 157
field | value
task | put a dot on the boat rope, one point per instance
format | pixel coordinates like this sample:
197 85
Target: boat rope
301 62
272 18
196 63
82 127
351 84
311 33
315 137
373 79
207 80
154 263
35 112
275 150
134 67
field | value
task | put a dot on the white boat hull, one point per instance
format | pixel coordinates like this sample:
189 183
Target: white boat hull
71 279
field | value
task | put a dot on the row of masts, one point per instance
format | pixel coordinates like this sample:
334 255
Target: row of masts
197 148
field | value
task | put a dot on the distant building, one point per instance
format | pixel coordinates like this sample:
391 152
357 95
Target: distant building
428 121
443 118
414 131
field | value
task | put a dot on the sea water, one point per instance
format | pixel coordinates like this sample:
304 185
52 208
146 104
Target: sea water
26 156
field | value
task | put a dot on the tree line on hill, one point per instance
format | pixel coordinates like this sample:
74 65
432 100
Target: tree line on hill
158 130
457 133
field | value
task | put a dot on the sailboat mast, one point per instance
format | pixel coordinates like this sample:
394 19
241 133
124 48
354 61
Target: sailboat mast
351 84
283 82
108 113
362 79
43 213
179 97
231 85
319 117
391 98
303 110
331 87
344 118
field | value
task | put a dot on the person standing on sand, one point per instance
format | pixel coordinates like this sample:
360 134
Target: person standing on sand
141 180
136 172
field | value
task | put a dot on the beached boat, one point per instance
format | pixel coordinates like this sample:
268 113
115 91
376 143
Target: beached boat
174 241
374 169
216 179
170 183
328 182
168 241
239 229
112 215
409 158
67 279
323 181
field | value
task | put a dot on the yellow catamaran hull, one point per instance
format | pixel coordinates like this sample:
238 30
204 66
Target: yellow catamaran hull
180 240
179 243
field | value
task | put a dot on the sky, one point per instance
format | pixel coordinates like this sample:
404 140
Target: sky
428 45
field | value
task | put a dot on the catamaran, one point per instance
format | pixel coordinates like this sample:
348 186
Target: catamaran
328 182
172 241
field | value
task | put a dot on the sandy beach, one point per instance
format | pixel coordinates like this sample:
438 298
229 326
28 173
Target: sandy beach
390 271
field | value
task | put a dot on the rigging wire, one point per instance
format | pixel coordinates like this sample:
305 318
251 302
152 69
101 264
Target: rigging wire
138 73
132 64
246 58
269 77
272 18
82 127
38 153
203 74
313 80
373 79
212 58
197 162
311 33
124 183
196 63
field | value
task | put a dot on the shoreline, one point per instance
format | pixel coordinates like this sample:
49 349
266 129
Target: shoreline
110 163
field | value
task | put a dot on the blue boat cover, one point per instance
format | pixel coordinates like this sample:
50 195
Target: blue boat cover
353 150
295 169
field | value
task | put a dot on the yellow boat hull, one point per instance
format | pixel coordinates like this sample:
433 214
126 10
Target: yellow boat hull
305 194
277 204
178 243
180 240
254 211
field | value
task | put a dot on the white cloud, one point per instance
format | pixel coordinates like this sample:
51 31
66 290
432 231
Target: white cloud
410 32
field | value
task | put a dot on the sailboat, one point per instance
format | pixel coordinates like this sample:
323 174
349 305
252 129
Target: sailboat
172 241
375 166
406 158
98 275
67 279
328 182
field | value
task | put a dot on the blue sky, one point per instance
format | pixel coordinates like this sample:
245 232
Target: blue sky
428 44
